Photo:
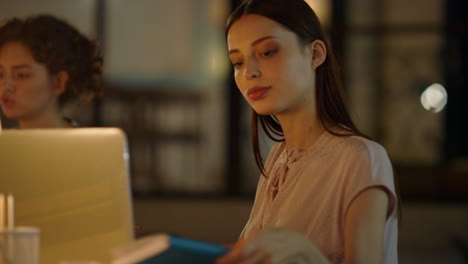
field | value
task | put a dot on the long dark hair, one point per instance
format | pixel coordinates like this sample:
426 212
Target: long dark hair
297 16
60 47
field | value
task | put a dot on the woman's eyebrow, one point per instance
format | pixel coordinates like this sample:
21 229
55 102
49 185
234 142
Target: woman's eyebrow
260 40
20 66
256 42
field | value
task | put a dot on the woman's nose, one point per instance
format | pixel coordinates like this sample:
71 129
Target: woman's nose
253 74
7 84
252 71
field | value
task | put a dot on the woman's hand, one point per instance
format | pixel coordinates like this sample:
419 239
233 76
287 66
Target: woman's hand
274 246
241 252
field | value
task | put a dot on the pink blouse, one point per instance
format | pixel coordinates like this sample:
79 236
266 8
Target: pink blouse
309 191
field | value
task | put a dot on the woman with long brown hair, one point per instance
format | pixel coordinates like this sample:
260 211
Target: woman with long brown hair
327 192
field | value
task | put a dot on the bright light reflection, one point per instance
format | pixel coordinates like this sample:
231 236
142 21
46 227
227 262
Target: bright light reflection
434 98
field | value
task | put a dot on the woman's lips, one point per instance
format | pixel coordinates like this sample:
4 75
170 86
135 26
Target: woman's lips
258 92
7 102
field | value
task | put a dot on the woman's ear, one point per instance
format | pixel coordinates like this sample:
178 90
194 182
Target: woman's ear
319 53
60 82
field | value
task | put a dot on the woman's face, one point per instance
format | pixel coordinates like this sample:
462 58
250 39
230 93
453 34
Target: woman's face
272 69
26 87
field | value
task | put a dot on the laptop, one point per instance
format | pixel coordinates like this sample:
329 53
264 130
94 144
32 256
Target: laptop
73 184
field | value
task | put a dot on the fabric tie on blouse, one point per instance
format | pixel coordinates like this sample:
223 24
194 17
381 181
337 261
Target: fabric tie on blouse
281 170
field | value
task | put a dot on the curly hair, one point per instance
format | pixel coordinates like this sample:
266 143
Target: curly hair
60 47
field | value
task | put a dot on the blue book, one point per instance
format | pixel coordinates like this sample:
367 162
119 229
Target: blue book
168 249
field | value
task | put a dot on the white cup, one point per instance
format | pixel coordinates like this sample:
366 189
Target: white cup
19 245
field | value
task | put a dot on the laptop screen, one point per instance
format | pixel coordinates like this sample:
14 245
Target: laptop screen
74 185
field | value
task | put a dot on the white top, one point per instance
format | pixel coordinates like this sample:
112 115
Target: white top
310 191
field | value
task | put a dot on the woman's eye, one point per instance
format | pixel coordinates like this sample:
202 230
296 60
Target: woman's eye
268 53
23 76
237 64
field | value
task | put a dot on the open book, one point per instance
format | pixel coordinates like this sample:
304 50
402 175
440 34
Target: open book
165 248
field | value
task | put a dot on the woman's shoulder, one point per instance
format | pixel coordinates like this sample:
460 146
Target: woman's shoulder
362 143
366 162
361 147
